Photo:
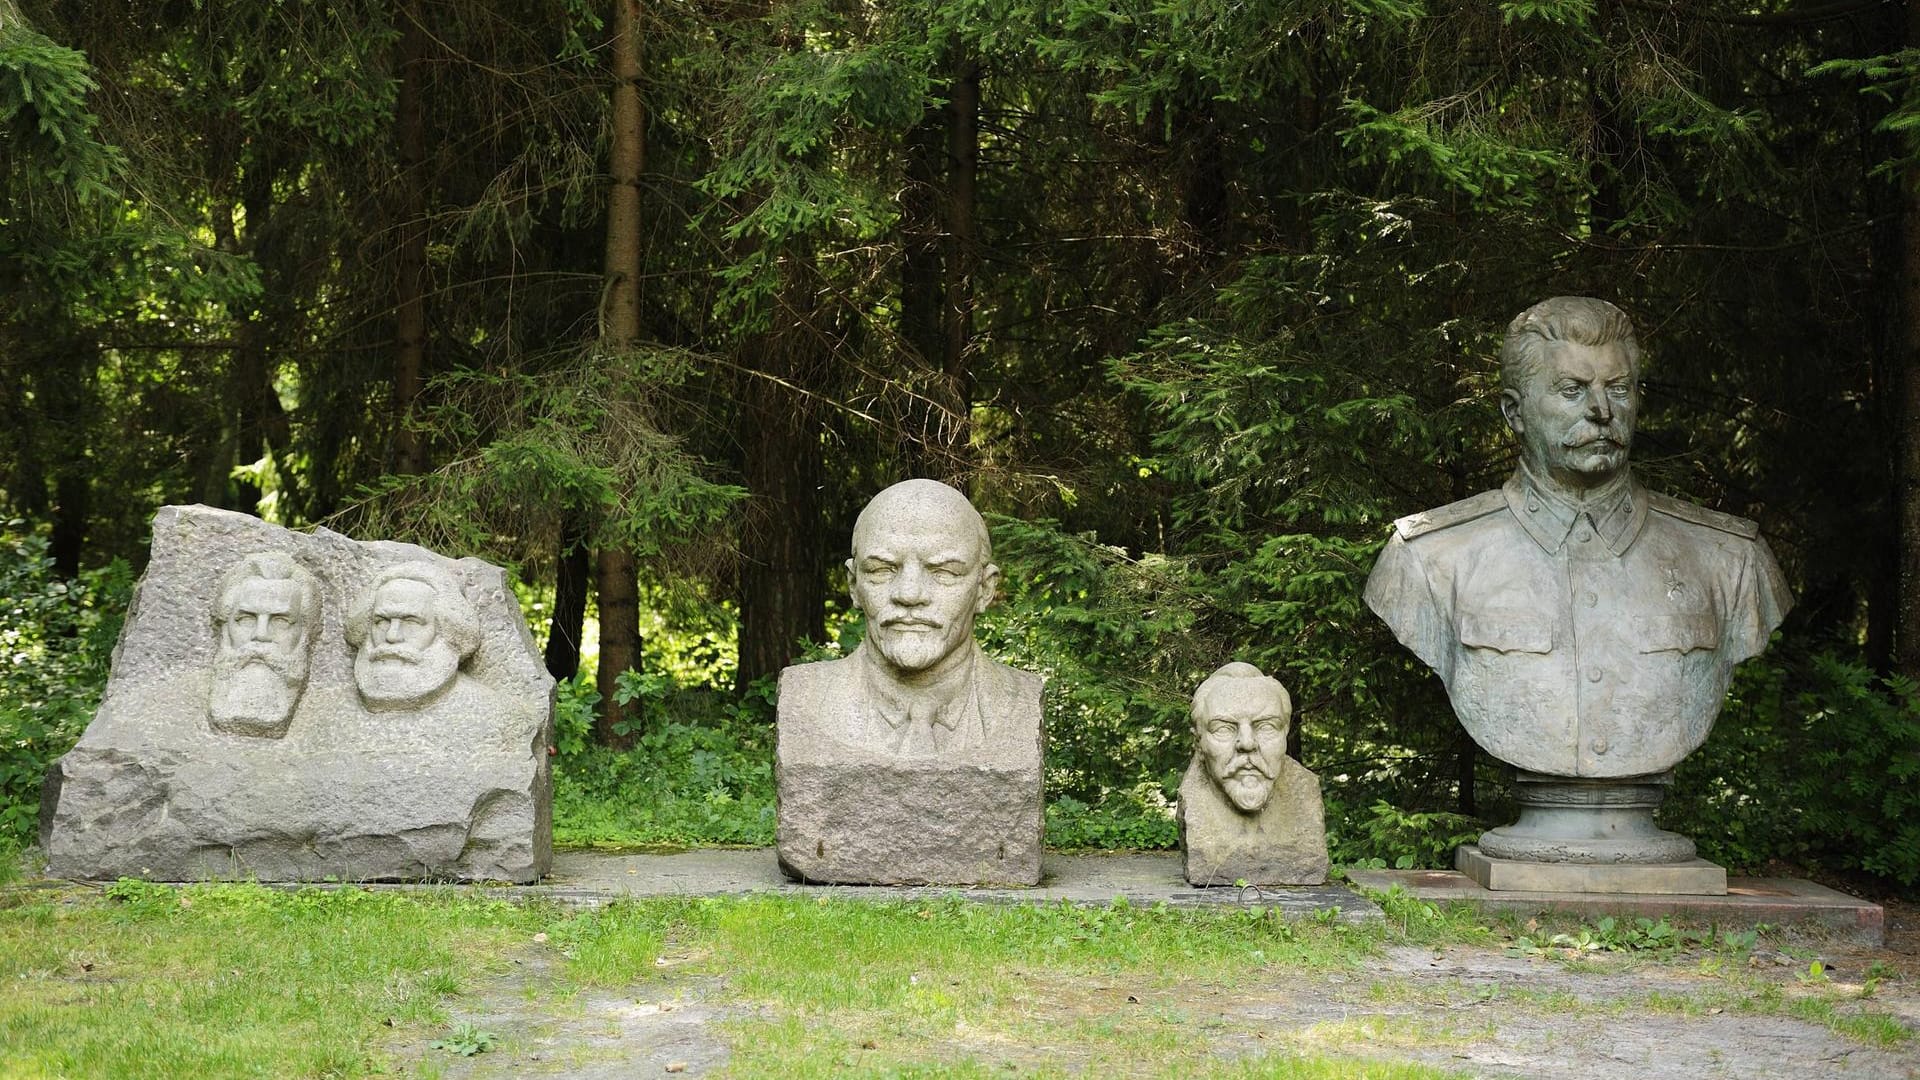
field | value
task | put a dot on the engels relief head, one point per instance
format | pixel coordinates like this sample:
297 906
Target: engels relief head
412 628
1569 374
1240 722
921 573
264 617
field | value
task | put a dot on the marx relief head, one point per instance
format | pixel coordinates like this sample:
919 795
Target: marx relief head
1240 722
1570 390
411 629
922 571
266 616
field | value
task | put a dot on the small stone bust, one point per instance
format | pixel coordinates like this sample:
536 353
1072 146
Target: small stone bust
1248 812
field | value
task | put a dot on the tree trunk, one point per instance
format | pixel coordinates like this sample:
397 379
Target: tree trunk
410 280
962 263
1907 630
617 725
66 385
922 295
617 574
783 559
571 570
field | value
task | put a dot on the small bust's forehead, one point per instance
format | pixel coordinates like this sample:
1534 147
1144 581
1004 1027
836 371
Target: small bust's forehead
1237 699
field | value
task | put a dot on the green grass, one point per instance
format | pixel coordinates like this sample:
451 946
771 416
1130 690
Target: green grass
240 980
232 980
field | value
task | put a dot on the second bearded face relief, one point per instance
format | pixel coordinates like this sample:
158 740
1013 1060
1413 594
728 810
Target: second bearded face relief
411 630
1240 723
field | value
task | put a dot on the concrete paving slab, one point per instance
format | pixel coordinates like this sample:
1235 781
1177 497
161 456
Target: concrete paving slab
1141 879
1775 901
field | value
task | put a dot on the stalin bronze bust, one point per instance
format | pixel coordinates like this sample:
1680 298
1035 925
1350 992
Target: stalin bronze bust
1585 627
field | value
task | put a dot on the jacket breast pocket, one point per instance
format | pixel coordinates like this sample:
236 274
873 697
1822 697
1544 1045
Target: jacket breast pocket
1506 631
1682 632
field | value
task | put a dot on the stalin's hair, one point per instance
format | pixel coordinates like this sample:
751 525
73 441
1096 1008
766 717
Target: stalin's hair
454 616
1581 320
1234 672
273 566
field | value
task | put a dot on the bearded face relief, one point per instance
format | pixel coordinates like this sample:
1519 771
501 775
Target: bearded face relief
264 618
411 630
1240 722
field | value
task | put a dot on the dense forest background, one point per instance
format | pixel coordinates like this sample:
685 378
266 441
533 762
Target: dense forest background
644 299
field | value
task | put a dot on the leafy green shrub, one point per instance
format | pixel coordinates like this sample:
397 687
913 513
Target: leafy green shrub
1133 819
56 638
1384 836
1814 760
701 773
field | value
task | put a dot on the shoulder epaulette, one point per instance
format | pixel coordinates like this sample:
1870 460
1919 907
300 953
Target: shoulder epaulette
1454 513
1700 515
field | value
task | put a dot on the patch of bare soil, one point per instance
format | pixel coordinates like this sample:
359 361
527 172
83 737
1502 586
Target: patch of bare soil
663 1027
1493 1015
1477 1010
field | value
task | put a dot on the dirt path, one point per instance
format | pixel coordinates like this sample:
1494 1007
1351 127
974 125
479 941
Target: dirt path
1476 1010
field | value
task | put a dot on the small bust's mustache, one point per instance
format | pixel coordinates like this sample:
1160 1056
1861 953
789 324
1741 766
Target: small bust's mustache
909 620
1246 763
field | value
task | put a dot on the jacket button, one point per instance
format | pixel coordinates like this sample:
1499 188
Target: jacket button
1593 674
1598 746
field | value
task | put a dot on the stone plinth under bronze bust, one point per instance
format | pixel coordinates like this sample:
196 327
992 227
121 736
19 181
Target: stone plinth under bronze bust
1248 812
916 760
1585 628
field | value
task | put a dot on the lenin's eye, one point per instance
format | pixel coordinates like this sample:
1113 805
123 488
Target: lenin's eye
1570 391
1618 390
1266 727
1219 727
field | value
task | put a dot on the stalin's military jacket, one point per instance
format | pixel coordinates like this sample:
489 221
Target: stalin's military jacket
1589 640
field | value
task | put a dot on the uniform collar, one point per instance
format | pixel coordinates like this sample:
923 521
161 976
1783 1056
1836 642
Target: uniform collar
1616 513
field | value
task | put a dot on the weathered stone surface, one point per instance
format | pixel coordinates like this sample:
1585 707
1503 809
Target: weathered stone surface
855 811
177 778
1284 843
1693 877
917 759
1584 627
1248 812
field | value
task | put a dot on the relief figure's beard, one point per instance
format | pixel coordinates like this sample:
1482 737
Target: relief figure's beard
255 689
402 677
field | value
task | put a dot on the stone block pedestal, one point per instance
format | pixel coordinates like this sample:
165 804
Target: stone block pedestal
1693 877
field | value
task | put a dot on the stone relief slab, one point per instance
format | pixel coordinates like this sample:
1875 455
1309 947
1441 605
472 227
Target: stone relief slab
298 707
